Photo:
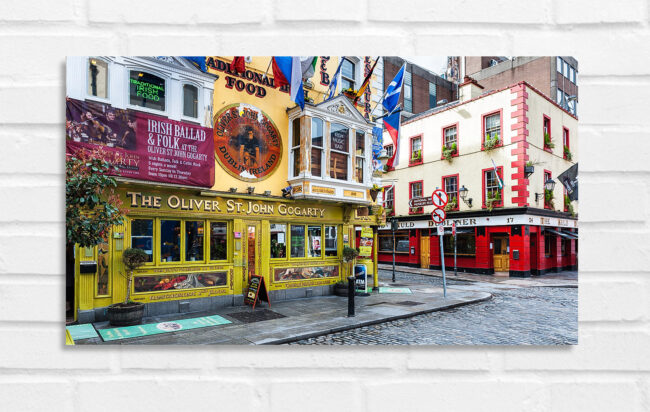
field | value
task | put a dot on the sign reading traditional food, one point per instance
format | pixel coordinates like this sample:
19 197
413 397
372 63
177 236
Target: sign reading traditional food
247 143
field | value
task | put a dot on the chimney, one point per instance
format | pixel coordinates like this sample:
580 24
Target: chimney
469 89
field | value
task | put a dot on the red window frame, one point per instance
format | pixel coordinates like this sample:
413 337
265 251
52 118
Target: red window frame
415 210
457 139
418 162
444 187
547 175
483 116
392 213
544 120
500 174
565 141
390 168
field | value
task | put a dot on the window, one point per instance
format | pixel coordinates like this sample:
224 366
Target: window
450 185
432 95
278 241
401 242
389 150
572 74
170 240
389 199
492 127
546 133
565 70
297 241
548 195
295 147
98 78
315 241
549 242
408 92
565 142
492 188
416 150
560 97
360 154
348 71
147 90
465 244
190 101
331 240
142 236
218 241
415 190
316 147
339 151
450 140
559 64
194 240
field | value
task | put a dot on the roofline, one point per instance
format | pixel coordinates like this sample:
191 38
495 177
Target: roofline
426 114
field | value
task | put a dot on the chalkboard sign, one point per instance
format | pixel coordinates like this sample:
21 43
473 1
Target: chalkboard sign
256 291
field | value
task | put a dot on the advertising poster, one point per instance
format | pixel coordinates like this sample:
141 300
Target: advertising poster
141 145
365 244
314 272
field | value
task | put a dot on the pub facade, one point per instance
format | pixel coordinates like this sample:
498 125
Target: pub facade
223 177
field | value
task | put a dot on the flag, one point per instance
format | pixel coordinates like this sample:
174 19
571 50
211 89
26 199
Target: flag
365 83
308 65
496 173
198 62
569 179
288 70
332 89
392 127
238 64
394 90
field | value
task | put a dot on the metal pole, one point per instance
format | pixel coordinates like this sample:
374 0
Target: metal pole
455 250
393 255
351 286
442 261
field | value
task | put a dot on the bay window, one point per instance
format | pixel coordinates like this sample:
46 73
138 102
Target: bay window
359 159
295 147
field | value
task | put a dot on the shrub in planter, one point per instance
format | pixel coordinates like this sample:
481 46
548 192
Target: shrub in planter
449 152
128 312
529 169
491 142
548 142
567 154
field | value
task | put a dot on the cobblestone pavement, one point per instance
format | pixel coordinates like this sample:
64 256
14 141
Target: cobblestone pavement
514 316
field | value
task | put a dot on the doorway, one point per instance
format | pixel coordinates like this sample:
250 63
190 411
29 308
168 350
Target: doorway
425 253
252 250
501 245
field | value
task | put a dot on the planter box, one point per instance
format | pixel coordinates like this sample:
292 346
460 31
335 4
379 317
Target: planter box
127 315
529 170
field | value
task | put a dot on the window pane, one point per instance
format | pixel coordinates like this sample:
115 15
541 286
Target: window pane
358 169
346 84
316 162
361 144
296 161
493 125
218 241
296 133
432 95
389 150
190 101
465 244
142 236
314 233
402 243
297 241
278 241
385 244
451 187
147 90
416 189
170 240
316 132
559 64
331 240
98 78
450 136
339 138
347 69
559 96
338 166
193 240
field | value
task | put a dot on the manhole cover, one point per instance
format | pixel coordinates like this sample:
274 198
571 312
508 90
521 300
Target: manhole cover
409 303
256 316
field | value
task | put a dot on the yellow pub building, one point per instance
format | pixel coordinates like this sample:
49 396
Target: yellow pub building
287 190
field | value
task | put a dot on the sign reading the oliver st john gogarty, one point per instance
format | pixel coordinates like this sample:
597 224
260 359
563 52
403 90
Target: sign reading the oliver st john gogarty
246 142
256 291
142 146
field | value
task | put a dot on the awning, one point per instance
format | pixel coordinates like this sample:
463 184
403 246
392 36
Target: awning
563 234
572 235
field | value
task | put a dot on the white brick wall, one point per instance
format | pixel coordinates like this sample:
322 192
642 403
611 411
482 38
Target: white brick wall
609 369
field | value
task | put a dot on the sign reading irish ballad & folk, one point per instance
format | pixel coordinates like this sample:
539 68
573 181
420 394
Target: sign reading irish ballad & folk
247 143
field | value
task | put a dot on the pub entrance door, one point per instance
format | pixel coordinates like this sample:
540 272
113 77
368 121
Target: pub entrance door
425 253
501 253
252 258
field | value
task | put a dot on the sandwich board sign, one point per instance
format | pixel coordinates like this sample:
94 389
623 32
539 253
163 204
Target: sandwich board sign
256 291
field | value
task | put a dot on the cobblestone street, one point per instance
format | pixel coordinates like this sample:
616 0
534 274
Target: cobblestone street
514 316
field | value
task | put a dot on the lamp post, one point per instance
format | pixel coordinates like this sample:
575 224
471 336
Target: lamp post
463 195
549 185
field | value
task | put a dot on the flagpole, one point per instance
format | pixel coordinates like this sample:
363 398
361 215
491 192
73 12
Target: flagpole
268 67
382 97
367 78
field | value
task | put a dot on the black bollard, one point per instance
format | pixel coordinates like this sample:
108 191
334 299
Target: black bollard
351 296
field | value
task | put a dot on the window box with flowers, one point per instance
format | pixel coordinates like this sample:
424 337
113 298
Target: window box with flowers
374 191
549 199
448 152
349 93
568 207
451 205
493 201
548 143
567 153
491 141
416 157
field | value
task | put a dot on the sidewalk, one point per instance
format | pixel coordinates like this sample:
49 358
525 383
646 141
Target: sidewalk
567 279
298 319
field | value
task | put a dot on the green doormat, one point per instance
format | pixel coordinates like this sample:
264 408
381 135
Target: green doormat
163 327
83 331
394 290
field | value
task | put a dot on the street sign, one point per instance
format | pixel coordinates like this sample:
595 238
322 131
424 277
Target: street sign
441 230
438 216
420 202
453 228
439 198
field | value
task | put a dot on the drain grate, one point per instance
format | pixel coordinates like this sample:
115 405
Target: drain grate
409 303
255 316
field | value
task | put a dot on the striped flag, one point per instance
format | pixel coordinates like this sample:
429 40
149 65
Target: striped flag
392 123
288 70
333 85
365 83
308 65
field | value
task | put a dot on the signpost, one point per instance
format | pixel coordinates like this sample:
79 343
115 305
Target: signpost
439 199
420 202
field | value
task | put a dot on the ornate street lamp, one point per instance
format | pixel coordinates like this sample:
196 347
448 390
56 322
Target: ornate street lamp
463 195
548 185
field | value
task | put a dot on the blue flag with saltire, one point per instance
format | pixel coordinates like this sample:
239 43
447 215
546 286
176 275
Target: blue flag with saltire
394 90
288 70
332 89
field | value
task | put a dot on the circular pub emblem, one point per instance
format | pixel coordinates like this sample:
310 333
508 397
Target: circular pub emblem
246 142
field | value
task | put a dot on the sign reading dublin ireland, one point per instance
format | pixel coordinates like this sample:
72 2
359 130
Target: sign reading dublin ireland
247 143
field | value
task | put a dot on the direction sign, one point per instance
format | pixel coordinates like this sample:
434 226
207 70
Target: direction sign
420 201
438 216
439 198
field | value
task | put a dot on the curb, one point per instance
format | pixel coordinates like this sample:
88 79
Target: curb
372 322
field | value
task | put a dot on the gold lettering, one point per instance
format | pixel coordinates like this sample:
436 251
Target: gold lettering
146 201
198 203
185 206
134 198
173 201
230 205
207 206
215 205
156 202
282 209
